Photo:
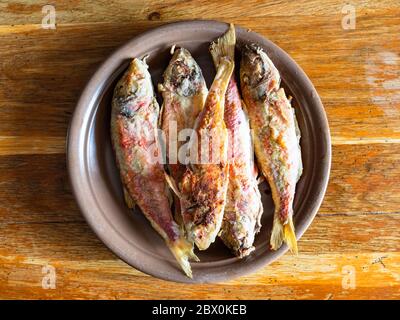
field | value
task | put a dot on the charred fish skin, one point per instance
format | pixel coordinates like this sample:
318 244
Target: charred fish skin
184 92
276 138
134 119
204 184
243 209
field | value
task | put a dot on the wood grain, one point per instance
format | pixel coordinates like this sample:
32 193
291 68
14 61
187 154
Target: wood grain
364 179
11 145
356 72
38 228
84 267
35 189
76 11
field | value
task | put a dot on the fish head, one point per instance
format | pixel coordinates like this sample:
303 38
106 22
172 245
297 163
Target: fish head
183 75
135 84
257 70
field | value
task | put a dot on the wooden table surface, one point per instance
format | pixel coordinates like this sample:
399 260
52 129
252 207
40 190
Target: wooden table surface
352 249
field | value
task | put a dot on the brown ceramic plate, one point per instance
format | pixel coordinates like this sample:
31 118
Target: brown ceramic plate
95 180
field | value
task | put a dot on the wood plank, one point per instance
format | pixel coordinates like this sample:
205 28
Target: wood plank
53 68
364 178
36 189
31 145
357 80
25 282
331 234
86 269
78 11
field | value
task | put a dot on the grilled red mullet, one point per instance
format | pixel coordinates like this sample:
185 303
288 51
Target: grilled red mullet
184 92
243 208
204 184
134 137
276 138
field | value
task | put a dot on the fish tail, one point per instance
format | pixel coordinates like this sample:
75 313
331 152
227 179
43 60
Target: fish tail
283 233
183 251
224 46
221 80
290 236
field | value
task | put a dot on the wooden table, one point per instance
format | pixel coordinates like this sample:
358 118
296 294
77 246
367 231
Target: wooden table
352 249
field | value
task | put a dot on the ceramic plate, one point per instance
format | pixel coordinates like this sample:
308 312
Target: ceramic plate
95 179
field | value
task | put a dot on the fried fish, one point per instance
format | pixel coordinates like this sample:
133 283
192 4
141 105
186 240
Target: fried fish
276 138
184 92
243 208
134 119
204 184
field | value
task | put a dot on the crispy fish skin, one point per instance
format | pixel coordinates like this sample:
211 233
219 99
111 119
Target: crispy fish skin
204 184
184 92
134 119
243 210
276 138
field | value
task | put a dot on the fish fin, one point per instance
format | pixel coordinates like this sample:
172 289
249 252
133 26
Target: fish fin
283 233
128 199
172 50
257 226
172 184
224 46
161 88
145 57
183 251
290 236
276 234
260 179
159 122
244 252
